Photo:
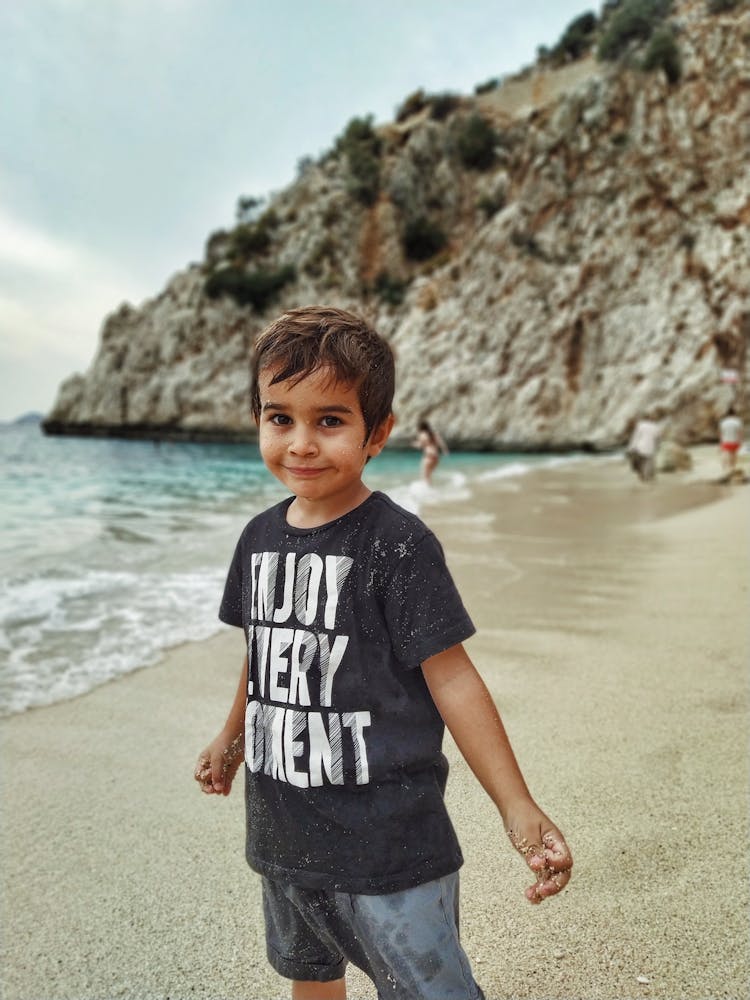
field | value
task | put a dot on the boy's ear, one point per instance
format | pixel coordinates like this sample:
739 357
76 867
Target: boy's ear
376 441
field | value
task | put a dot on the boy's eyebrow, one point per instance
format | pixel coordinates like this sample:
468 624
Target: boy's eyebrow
333 408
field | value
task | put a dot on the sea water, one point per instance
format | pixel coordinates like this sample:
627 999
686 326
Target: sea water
113 551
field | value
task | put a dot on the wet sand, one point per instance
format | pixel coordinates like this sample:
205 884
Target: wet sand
613 633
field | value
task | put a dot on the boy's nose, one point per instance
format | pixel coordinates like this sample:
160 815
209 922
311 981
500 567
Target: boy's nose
303 441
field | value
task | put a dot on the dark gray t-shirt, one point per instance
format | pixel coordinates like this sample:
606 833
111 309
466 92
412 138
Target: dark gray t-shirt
345 773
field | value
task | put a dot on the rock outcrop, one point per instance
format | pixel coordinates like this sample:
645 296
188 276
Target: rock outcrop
597 267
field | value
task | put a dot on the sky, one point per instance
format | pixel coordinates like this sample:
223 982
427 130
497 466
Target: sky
129 129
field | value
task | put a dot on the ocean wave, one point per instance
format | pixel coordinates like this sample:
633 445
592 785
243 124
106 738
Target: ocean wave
509 471
415 495
64 634
515 469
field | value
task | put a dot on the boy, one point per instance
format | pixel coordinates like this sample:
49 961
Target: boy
354 665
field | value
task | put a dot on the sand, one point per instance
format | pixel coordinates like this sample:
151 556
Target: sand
613 633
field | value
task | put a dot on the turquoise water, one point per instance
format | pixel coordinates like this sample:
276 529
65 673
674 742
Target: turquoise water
115 550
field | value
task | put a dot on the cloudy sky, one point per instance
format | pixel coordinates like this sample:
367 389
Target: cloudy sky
128 129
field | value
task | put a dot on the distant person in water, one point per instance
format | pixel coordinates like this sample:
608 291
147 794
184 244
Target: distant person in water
730 440
432 447
641 450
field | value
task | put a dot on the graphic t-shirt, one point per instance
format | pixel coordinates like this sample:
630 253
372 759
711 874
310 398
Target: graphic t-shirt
345 773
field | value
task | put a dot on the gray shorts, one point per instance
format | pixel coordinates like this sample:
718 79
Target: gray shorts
406 942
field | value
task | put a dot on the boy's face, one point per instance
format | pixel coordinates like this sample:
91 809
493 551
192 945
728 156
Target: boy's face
312 438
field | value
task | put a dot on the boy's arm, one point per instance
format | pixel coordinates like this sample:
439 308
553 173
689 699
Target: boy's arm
467 708
219 762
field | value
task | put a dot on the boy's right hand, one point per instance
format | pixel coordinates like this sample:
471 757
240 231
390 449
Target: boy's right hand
218 763
544 849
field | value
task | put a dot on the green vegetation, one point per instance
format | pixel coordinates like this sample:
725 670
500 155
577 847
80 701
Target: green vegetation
475 143
361 147
491 204
577 38
664 53
256 288
440 105
634 21
411 105
249 239
423 238
487 86
304 165
246 240
323 254
247 208
525 240
389 289
215 245
722 6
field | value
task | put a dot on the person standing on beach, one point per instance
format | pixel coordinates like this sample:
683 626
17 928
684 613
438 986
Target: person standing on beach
355 664
641 450
432 447
730 440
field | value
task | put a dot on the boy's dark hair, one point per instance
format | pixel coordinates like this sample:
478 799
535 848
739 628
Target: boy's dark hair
306 340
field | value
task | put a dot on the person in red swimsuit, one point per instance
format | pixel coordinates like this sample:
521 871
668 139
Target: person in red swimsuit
730 439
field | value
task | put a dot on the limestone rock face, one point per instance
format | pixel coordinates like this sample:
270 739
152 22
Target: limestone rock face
598 268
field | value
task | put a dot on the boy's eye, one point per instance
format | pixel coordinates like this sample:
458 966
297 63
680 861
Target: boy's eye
331 421
281 419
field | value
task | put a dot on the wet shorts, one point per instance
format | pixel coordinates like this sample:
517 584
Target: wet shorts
406 942
730 445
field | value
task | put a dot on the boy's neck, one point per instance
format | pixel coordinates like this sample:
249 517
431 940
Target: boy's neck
303 513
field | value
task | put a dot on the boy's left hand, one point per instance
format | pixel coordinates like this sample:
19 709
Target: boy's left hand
218 764
545 852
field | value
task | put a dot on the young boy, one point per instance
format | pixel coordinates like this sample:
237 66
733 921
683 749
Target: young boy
354 665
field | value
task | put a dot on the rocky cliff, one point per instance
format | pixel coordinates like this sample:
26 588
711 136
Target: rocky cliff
541 290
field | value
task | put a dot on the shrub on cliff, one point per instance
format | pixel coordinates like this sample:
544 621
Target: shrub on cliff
490 204
722 6
487 86
390 289
256 288
577 38
361 147
249 239
442 105
217 246
423 238
248 208
475 142
364 176
664 53
411 105
634 21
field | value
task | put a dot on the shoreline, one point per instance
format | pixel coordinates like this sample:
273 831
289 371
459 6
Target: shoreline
399 441
156 622
610 630
115 549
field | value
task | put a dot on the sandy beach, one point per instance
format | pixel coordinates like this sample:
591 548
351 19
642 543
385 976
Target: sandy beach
613 632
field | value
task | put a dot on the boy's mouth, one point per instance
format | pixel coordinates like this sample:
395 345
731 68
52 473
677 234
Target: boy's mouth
304 471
